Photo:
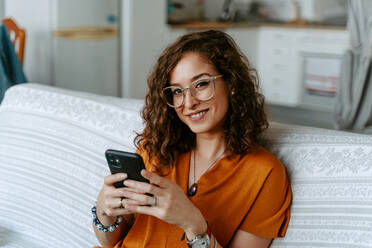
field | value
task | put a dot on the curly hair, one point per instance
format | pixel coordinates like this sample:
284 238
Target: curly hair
165 136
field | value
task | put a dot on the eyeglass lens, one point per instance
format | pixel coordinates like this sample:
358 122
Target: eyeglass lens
202 90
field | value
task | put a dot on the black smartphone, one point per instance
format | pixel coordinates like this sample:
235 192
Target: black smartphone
125 162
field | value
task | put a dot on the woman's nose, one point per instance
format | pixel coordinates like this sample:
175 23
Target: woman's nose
190 100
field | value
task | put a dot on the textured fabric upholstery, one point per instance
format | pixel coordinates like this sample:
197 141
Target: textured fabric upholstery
52 144
331 178
52 164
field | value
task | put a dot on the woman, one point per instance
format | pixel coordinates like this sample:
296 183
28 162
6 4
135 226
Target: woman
211 184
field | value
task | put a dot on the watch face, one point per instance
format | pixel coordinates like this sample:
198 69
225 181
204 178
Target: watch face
201 244
200 241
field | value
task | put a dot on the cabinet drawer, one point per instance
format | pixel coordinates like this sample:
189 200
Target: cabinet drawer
277 36
280 90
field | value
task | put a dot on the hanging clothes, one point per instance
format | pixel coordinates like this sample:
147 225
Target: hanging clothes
11 72
354 97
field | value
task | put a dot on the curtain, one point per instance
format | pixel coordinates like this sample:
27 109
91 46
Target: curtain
353 109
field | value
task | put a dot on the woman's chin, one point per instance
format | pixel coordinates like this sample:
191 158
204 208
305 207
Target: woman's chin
199 130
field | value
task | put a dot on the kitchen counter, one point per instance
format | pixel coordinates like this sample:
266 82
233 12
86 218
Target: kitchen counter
243 24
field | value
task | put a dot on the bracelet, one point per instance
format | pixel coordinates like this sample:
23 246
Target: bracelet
99 225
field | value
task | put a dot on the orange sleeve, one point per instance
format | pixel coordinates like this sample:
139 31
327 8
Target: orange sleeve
269 214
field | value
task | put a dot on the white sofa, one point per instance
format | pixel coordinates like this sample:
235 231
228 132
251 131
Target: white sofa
52 144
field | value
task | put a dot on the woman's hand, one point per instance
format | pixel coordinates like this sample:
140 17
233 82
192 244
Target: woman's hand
109 206
167 202
109 201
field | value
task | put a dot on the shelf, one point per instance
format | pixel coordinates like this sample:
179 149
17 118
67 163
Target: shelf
86 33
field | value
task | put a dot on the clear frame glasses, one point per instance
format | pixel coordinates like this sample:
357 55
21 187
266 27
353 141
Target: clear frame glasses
202 89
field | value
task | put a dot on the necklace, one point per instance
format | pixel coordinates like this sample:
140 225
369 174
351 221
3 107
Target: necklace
194 187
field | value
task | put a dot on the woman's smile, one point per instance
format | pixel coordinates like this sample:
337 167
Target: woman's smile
197 115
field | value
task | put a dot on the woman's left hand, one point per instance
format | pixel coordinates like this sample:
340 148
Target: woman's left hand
168 203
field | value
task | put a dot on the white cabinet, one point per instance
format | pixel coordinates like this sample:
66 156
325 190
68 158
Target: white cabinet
281 54
246 39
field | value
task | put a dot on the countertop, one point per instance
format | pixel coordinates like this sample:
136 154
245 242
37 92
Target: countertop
243 24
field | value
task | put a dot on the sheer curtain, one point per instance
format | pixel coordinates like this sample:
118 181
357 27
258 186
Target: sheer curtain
353 108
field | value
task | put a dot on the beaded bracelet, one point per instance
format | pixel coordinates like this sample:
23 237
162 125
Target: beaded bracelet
99 225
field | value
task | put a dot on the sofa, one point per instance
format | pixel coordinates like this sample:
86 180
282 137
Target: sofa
52 165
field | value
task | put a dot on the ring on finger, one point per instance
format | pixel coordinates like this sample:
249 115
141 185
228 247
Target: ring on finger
154 201
121 203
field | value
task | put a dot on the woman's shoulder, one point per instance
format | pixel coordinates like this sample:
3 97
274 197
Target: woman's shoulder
262 161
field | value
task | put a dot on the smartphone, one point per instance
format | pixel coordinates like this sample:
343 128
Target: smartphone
125 162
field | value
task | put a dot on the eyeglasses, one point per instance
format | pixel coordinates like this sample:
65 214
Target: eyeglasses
202 89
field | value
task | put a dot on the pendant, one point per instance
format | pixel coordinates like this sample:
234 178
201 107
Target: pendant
192 190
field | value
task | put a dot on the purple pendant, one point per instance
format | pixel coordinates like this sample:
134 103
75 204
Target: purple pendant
192 190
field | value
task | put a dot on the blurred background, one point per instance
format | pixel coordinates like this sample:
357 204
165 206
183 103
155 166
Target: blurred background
70 44
109 47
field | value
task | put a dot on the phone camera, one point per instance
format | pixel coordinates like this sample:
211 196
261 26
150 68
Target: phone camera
110 158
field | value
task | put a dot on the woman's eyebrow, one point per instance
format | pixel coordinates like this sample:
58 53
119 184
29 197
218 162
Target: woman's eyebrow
196 77
200 75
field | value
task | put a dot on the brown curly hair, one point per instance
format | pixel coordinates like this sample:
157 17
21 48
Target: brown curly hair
165 136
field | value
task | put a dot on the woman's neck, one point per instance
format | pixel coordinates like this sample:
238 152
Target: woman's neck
210 146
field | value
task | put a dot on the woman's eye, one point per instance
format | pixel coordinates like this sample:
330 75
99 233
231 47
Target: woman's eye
177 92
202 84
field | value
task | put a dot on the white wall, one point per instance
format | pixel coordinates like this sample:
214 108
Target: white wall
84 12
34 16
2 7
89 65
144 36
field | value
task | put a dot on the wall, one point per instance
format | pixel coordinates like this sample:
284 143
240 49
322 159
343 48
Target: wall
84 12
90 65
37 23
144 35
2 8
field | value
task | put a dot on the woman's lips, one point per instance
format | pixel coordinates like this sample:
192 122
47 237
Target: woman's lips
198 115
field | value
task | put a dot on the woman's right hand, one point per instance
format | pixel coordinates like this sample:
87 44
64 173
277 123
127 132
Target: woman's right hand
109 207
109 204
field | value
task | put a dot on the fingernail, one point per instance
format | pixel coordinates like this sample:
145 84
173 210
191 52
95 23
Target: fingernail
127 183
124 175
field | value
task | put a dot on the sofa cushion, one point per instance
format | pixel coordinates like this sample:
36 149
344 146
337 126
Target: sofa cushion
331 178
52 165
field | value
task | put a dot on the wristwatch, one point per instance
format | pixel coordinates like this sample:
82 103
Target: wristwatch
200 241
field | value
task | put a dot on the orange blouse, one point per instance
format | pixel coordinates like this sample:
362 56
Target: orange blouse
251 193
